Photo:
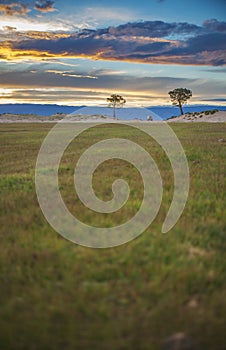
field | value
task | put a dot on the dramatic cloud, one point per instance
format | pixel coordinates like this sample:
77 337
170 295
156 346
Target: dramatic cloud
213 24
9 28
71 74
156 29
56 78
13 9
21 8
44 5
214 100
74 87
144 42
216 70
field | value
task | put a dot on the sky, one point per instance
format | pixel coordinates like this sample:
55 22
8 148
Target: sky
80 52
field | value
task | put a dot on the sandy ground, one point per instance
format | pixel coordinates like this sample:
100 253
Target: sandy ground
217 117
17 118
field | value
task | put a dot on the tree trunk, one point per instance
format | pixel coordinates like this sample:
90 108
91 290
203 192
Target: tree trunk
114 116
181 110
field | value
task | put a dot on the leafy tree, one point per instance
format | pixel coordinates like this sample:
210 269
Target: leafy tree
115 101
179 97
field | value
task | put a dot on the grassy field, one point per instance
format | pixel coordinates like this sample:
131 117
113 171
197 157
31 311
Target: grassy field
58 295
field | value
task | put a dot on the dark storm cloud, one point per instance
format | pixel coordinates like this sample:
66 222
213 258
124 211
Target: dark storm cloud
145 42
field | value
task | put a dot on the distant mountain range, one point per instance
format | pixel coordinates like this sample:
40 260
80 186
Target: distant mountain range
45 110
163 112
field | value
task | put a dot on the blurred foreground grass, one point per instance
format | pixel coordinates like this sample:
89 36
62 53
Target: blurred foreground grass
57 295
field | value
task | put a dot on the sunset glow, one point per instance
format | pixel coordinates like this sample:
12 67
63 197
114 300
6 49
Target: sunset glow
73 54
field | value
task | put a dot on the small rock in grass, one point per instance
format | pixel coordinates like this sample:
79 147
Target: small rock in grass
193 303
179 341
196 161
211 275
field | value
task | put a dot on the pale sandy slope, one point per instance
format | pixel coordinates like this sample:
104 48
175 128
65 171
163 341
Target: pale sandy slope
17 118
218 117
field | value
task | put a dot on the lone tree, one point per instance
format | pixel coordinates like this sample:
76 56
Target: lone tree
115 101
179 97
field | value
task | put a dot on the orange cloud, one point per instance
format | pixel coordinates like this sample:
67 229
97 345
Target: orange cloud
14 9
8 53
46 35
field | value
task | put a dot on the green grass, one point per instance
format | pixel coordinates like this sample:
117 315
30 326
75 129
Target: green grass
57 295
